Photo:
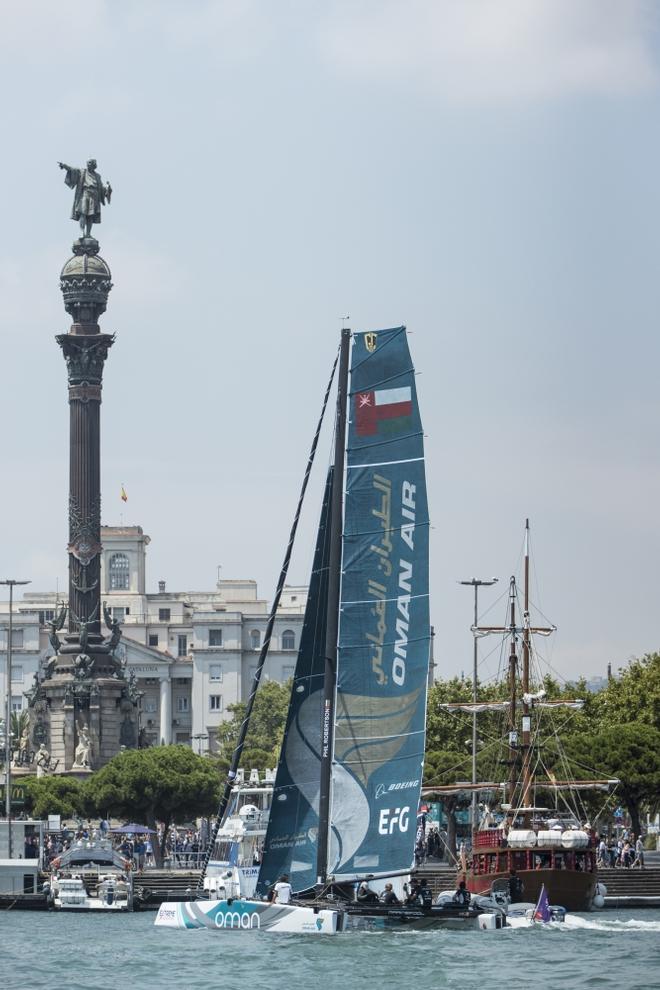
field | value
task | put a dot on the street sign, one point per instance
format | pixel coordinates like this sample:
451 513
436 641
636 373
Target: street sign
17 795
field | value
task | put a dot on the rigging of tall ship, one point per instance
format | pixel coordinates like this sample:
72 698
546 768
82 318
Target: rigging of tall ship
539 833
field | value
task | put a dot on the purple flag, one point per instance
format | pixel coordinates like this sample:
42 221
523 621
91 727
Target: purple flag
542 910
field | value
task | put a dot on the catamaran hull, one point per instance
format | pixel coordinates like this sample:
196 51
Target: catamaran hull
243 915
411 920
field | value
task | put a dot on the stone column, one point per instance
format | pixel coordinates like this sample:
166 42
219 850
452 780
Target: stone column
84 683
85 283
166 711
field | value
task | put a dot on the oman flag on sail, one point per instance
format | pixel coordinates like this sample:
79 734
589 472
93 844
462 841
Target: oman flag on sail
384 410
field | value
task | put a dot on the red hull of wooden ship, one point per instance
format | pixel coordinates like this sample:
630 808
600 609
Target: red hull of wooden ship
569 875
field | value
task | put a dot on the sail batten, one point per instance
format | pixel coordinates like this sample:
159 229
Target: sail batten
384 633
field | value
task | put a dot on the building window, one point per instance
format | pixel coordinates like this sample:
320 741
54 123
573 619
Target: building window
182 705
46 616
17 674
163 615
215 672
182 648
153 639
17 639
288 640
119 613
215 637
119 572
16 703
255 639
150 707
215 702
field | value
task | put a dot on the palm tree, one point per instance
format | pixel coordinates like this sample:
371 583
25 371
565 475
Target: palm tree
19 726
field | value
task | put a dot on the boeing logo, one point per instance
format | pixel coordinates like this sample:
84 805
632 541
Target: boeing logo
401 785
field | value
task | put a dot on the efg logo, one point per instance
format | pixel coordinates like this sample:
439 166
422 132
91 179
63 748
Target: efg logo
391 819
234 919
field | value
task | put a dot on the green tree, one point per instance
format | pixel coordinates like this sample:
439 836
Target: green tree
54 796
633 696
170 784
264 738
632 754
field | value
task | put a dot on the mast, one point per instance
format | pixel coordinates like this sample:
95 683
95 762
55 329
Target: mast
238 750
513 665
332 629
526 718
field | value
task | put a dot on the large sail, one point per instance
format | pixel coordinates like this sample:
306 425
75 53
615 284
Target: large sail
383 656
290 845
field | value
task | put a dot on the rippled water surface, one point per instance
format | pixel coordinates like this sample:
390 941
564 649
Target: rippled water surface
57 951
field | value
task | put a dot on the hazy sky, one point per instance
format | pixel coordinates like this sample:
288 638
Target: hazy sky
484 171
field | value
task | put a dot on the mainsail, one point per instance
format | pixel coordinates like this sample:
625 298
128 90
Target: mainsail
291 838
384 639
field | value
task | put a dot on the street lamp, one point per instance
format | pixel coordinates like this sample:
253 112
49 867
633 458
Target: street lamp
475 583
10 582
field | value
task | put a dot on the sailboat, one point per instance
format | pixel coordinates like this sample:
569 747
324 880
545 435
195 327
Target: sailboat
522 845
348 781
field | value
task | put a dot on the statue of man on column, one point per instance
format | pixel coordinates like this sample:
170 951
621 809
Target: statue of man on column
90 194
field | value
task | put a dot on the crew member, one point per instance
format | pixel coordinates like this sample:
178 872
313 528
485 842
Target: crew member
515 886
412 897
462 895
365 894
388 896
282 890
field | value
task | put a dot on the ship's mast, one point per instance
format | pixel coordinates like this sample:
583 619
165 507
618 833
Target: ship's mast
526 718
513 674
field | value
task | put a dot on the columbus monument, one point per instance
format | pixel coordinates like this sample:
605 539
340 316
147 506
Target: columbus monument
83 708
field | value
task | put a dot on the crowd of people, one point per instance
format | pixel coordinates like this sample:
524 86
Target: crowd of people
183 847
626 852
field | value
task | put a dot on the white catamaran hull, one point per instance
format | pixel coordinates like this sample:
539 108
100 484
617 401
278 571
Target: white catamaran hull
244 915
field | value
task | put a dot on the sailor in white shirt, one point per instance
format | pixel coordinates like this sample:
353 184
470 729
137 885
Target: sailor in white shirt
282 890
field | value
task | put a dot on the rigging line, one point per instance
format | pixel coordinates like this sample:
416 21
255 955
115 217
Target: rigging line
236 758
382 381
406 460
370 601
565 764
493 605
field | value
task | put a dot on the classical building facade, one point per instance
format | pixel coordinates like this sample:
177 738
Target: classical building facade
193 653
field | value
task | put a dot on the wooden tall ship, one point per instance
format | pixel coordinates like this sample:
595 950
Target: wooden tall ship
523 842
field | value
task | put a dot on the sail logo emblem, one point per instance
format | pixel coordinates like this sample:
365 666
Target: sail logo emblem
370 341
237 919
390 819
401 785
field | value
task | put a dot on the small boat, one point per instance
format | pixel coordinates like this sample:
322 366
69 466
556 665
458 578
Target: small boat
91 876
240 839
523 915
348 780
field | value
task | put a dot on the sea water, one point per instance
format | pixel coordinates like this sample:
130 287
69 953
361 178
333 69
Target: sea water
79 951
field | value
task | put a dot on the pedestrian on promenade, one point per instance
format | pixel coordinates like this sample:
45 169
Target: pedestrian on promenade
639 853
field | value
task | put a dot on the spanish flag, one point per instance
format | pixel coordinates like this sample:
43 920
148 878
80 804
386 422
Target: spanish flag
123 496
